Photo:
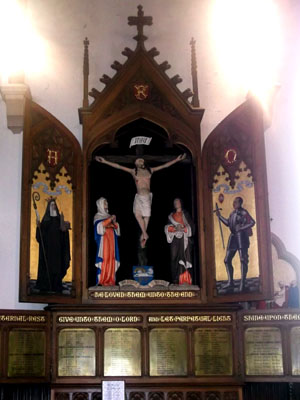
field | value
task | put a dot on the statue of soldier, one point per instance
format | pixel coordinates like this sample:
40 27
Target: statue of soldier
240 224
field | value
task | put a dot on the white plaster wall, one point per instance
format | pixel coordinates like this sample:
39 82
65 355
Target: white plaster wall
283 138
10 206
63 25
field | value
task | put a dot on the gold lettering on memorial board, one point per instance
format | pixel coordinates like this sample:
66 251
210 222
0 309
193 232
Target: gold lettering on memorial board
168 352
271 317
213 351
189 318
76 352
144 295
103 319
295 349
26 353
23 318
263 351
122 352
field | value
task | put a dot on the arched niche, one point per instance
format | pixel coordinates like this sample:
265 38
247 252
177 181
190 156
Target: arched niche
118 187
234 166
52 169
141 96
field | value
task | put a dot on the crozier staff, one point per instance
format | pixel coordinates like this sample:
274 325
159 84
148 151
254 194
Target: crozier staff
143 199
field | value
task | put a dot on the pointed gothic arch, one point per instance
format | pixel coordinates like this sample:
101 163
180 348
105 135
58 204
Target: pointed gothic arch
140 90
234 165
51 169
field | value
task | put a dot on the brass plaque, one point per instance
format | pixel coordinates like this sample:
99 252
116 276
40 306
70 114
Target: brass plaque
76 352
263 351
168 352
26 353
295 350
213 351
122 352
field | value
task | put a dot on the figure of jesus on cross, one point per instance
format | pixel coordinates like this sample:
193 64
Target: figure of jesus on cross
143 199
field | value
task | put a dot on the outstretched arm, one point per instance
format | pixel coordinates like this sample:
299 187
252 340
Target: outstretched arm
169 163
112 164
224 220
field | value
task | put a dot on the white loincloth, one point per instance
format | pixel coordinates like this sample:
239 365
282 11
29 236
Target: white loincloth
142 205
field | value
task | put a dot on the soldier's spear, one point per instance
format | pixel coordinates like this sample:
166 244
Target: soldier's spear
220 225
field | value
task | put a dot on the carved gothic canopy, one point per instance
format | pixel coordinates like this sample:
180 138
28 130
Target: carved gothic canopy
238 245
141 113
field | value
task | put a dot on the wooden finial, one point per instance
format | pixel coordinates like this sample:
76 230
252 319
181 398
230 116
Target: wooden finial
195 99
140 21
85 102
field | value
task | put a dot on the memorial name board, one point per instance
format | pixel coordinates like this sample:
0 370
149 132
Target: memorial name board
213 351
263 351
26 353
76 352
168 352
122 352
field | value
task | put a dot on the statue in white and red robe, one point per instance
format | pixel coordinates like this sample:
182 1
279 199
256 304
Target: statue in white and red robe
106 231
179 235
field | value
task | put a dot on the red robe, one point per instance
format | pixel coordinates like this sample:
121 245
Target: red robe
184 277
107 258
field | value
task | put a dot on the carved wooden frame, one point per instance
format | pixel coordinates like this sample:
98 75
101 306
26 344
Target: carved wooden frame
245 121
98 321
282 319
38 120
117 106
23 319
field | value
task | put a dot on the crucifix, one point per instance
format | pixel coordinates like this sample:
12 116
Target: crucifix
140 21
